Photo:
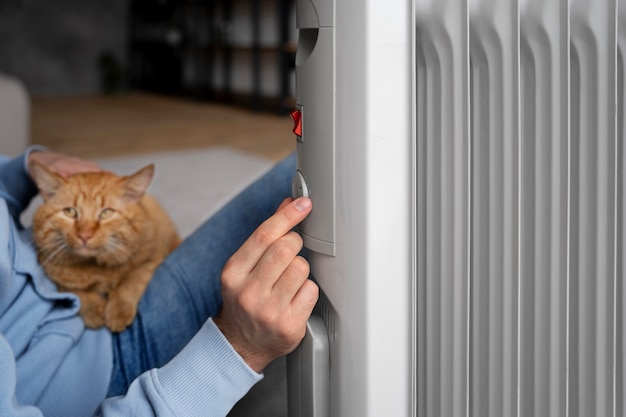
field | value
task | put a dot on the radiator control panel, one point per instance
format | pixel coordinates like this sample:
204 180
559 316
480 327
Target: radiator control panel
314 121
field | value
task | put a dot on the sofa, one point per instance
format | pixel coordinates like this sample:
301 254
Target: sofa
14 116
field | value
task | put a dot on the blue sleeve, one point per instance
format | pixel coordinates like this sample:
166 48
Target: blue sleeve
16 185
206 378
8 401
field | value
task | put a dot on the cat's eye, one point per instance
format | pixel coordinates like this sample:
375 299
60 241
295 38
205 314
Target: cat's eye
106 213
70 212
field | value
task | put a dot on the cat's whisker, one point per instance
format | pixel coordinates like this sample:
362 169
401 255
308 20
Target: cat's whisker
57 252
123 255
119 249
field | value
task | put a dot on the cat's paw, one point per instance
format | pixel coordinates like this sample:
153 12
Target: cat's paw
119 314
92 310
93 321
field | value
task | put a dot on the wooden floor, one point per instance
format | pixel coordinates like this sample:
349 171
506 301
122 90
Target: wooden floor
131 123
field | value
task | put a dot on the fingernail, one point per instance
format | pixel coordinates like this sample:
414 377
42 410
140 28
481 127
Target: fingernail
303 204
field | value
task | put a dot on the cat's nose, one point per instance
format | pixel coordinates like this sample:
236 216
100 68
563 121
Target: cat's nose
85 235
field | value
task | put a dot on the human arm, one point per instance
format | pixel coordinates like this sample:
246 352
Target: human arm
267 300
206 378
196 382
16 185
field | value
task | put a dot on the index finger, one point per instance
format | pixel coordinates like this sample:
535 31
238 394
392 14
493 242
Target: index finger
272 229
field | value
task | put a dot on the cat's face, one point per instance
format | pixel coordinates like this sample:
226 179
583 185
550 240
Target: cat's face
93 217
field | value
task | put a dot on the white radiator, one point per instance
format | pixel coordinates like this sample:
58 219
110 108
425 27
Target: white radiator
521 193
465 159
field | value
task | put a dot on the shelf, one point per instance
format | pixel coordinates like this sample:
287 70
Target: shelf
201 49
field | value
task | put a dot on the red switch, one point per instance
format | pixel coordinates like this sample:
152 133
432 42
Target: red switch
296 115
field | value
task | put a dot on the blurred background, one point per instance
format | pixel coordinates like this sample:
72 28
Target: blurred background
152 60
202 88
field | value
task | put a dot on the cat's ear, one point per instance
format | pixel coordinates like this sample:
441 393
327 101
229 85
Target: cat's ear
137 183
47 181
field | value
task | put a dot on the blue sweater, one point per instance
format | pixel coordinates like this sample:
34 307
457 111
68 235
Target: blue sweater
51 365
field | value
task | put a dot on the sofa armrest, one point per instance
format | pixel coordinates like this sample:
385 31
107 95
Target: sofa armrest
14 116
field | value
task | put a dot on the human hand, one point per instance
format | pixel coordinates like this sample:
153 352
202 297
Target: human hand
266 291
62 164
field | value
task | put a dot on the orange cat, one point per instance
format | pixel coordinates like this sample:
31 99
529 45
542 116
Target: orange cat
101 237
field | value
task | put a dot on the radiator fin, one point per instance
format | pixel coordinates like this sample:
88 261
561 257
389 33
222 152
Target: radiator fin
494 72
521 194
620 391
544 52
593 215
443 229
